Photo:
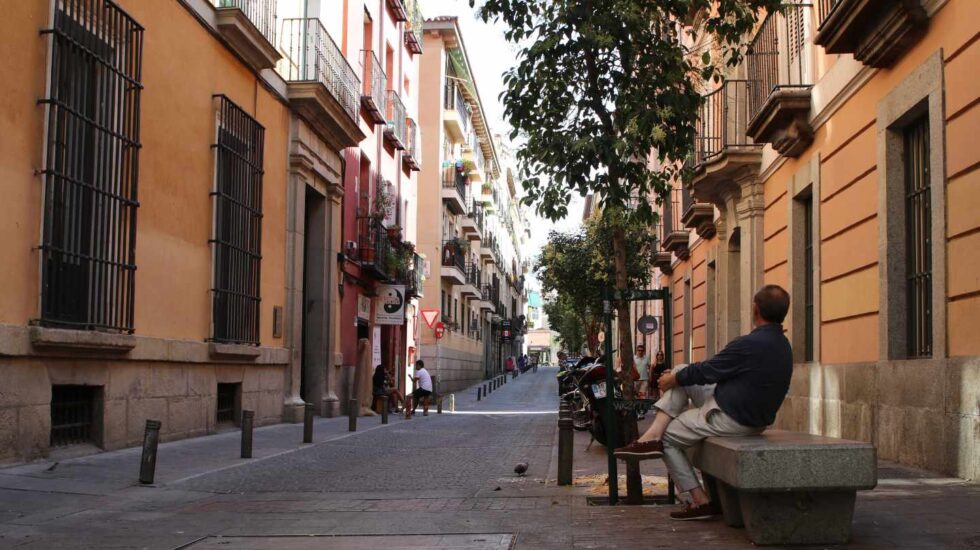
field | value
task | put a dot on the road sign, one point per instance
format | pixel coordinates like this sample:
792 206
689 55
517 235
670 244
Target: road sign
647 324
440 329
430 316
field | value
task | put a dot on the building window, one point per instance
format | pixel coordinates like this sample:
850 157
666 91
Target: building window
73 414
237 241
228 403
88 246
918 242
808 308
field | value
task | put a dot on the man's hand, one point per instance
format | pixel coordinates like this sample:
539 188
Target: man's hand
667 381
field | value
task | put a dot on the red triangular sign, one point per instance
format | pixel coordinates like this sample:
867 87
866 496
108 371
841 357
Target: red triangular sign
430 316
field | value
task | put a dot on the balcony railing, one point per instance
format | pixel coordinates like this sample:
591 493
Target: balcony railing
398 9
373 92
722 120
456 101
396 119
262 14
414 281
773 65
413 34
411 155
453 178
375 251
313 56
453 255
475 213
824 7
473 274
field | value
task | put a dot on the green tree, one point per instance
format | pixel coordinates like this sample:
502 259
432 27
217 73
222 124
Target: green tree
598 86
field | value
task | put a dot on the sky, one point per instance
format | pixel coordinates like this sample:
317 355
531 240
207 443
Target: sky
490 56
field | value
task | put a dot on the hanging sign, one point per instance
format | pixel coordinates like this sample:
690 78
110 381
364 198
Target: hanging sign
363 307
391 305
647 324
376 347
430 316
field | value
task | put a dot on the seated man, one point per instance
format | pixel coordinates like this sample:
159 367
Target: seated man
424 389
736 392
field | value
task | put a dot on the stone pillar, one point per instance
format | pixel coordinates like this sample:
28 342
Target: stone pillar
293 322
749 211
330 405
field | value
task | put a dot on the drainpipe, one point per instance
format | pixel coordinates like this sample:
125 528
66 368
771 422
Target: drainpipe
305 46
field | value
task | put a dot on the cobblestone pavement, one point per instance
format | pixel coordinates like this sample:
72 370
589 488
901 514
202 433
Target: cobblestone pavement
442 481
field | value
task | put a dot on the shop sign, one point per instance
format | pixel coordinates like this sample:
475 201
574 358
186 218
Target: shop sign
363 307
391 305
376 348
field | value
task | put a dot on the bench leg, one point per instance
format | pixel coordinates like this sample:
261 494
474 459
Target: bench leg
800 517
725 496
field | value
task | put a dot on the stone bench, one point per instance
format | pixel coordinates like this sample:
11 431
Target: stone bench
787 487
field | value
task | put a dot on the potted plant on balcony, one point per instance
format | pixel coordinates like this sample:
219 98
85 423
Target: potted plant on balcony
394 233
383 202
469 166
488 188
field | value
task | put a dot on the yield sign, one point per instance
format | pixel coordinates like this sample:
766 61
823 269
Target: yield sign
429 316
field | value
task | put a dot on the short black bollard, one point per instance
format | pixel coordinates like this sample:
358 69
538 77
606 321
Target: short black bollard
248 422
352 409
485 392
439 405
384 409
148 462
308 423
565 442
479 393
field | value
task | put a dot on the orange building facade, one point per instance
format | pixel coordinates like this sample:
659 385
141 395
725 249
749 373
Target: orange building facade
837 162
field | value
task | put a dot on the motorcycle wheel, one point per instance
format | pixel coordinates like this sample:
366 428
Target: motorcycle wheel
581 414
598 430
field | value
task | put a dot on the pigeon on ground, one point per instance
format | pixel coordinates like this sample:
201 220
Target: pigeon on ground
521 468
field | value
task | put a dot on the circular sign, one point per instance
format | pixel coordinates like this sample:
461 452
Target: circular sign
647 324
440 329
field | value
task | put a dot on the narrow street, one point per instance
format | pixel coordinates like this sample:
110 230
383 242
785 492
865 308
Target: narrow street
442 481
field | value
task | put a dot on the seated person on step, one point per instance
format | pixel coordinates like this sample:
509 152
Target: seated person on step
424 389
735 393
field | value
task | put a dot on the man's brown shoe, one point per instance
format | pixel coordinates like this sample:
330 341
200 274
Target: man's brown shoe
692 512
638 449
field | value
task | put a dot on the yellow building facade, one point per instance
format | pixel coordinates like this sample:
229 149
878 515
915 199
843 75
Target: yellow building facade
144 160
837 162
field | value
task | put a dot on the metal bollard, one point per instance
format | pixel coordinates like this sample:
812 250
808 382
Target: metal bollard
148 461
479 392
565 442
384 409
485 390
352 410
439 405
248 423
308 423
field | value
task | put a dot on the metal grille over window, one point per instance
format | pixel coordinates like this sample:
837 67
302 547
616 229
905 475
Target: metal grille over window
72 413
88 246
237 242
918 241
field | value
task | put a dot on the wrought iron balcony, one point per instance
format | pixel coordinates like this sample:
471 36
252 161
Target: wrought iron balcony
454 261
778 64
877 33
699 216
675 236
398 9
322 86
454 189
662 259
457 111
722 150
249 26
413 34
415 281
373 93
375 251
396 120
412 155
472 285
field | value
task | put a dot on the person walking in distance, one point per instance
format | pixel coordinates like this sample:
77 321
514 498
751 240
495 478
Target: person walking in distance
735 393
656 371
424 389
641 362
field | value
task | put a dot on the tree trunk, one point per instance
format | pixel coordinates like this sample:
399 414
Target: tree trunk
634 481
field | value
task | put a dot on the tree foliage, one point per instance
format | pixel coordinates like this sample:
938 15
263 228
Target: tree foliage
574 270
599 86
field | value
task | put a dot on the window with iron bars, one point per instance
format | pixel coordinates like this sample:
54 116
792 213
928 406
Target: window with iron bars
88 243
918 241
237 241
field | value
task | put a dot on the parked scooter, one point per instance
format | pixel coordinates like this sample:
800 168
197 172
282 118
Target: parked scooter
592 386
570 389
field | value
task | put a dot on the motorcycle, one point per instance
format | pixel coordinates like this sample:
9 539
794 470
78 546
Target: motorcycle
570 390
592 386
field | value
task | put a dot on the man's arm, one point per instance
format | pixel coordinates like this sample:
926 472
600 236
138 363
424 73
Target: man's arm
724 365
